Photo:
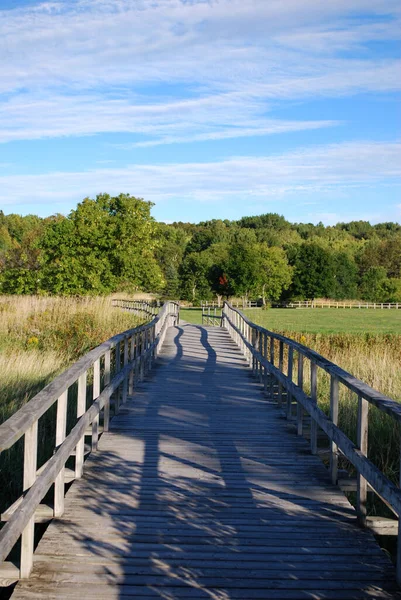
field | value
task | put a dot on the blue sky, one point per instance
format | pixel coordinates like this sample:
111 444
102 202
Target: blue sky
208 108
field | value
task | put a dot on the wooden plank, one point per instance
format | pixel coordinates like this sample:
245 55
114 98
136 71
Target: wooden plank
9 574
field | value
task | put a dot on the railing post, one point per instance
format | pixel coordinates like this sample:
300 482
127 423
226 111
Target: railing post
280 366
30 465
125 382
362 443
253 334
290 375
334 392
118 368
265 373
107 368
272 363
142 356
95 394
398 564
131 373
60 437
300 412
81 408
313 424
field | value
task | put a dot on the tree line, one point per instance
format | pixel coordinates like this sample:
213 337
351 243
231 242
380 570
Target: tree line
111 244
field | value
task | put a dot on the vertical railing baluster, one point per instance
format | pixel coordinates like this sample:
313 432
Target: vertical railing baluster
107 370
313 424
280 366
290 369
61 427
142 355
30 465
131 373
95 394
334 393
301 386
259 349
126 358
118 368
81 408
398 561
272 363
266 372
362 443
253 333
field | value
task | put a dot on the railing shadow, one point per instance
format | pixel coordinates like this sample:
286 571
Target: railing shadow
186 499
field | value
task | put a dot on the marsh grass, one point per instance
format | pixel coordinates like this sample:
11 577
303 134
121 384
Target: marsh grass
40 337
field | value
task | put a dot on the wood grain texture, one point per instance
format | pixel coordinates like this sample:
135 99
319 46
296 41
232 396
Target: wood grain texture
201 489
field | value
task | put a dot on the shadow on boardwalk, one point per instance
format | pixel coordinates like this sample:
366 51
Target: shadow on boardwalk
201 492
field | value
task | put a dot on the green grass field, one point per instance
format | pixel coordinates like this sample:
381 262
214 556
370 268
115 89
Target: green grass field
318 320
328 320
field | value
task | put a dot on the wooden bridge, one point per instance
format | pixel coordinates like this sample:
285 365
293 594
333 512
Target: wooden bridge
200 486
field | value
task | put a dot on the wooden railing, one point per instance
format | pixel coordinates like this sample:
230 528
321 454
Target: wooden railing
210 316
237 303
113 368
272 358
139 307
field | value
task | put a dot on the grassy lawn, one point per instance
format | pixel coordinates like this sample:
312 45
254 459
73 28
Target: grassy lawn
328 320
191 315
318 320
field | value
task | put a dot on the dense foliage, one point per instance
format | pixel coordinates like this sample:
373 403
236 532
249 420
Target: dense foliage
113 243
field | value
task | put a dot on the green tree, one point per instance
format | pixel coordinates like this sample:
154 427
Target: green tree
375 285
194 277
346 276
314 272
274 273
103 244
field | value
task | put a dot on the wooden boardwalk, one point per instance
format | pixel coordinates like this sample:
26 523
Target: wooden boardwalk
202 490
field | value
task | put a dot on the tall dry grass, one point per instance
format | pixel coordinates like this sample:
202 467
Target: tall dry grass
375 360
42 336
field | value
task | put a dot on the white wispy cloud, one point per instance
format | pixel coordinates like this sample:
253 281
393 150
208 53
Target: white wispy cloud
318 170
93 66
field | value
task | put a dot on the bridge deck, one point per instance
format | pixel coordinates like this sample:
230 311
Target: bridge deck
202 491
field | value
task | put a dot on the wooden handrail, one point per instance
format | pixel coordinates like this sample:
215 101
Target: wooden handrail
16 426
254 341
140 346
383 402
